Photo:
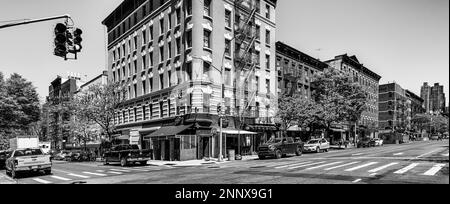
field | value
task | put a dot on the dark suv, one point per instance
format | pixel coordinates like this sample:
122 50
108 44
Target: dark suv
365 142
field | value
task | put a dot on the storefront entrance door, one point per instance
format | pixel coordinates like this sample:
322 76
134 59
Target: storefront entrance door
206 147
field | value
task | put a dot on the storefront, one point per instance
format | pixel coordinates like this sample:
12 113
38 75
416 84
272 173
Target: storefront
167 143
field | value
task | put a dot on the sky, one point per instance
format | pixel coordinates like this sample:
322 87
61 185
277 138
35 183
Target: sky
404 41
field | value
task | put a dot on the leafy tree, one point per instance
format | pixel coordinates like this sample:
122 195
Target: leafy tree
99 103
338 98
295 110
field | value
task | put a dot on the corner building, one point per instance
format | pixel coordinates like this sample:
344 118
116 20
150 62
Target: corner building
182 59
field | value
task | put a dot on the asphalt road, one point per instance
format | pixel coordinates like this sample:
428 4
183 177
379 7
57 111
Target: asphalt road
414 163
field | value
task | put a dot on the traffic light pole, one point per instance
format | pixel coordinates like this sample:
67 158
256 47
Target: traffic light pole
66 16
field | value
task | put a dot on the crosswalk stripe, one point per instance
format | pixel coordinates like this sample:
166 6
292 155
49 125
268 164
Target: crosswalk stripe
285 166
95 174
278 164
42 181
101 171
436 168
324 165
382 167
340 166
361 166
113 172
80 176
445 155
357 154
398 154
406 169
136 169
61 178
305 165
121 170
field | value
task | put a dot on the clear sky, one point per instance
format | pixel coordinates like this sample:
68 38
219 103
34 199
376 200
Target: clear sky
406 41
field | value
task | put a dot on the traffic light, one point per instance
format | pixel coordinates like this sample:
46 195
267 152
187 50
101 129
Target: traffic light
61 40
77 40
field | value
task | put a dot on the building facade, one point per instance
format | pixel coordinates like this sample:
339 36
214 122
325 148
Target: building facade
393 107
182 60
434 98
296 70
370 82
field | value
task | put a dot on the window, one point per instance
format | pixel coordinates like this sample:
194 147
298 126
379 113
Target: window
169 50
114 55
119 53
151 33
189 71
135 18
257 85
258 32
129 92
268 37
161 81
228 77
135 67
268 86
135 42
258 6
169 74
189 39
206 39
144 87
144 112
207 8
169 22
228 18
178 16
206 103
129 70
150 58
144 11
161 26
161 54
135 90
268 11
135 114
227 47
150 84
206 69
189 7
258 58
144 37
178 46
267 61
144 62
161 109
151 110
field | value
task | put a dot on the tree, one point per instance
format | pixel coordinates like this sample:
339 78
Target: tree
19 106
337 98
99 104
294 110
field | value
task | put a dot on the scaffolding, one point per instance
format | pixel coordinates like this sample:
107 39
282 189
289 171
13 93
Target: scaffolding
245 59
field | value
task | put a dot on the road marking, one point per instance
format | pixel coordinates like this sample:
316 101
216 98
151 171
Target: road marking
361 166
138 169
305 165
42 181
95 174
436 168
285 166
445 155
406 169
113 172
398 154
61 178
278 164
357 180
344 165
357 154
121 170
382 167
428 153
325 165
101 171
79 176
374 174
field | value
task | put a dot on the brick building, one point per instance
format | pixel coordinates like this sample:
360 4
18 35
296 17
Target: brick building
173 56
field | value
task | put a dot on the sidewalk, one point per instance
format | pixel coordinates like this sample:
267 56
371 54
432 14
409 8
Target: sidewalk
192 163
4 179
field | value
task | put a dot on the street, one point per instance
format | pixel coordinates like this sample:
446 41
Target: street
413 163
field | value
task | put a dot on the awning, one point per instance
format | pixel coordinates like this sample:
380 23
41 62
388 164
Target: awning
338 130
148 130
169 131
294 128
237 132
262 127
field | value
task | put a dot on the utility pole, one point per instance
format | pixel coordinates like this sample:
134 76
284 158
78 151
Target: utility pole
66 16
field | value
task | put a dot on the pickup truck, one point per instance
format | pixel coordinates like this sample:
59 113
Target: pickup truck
28 160
126 154
277 147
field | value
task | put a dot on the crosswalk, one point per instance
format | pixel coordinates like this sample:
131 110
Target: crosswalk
115 171
348 166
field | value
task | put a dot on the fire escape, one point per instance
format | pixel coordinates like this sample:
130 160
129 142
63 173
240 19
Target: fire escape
245 60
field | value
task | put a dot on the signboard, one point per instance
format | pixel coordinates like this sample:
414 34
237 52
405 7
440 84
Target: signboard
134 137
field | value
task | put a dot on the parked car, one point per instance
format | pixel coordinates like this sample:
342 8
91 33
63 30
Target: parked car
28 160
277 147
127 154
3 155
375 142
317 145
365 142
434 137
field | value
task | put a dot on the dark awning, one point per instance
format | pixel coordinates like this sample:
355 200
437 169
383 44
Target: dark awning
169 131
262 127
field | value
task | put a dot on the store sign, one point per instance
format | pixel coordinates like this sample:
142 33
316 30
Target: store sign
134 137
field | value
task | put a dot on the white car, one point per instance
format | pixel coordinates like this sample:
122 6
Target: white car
317 145
376 142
